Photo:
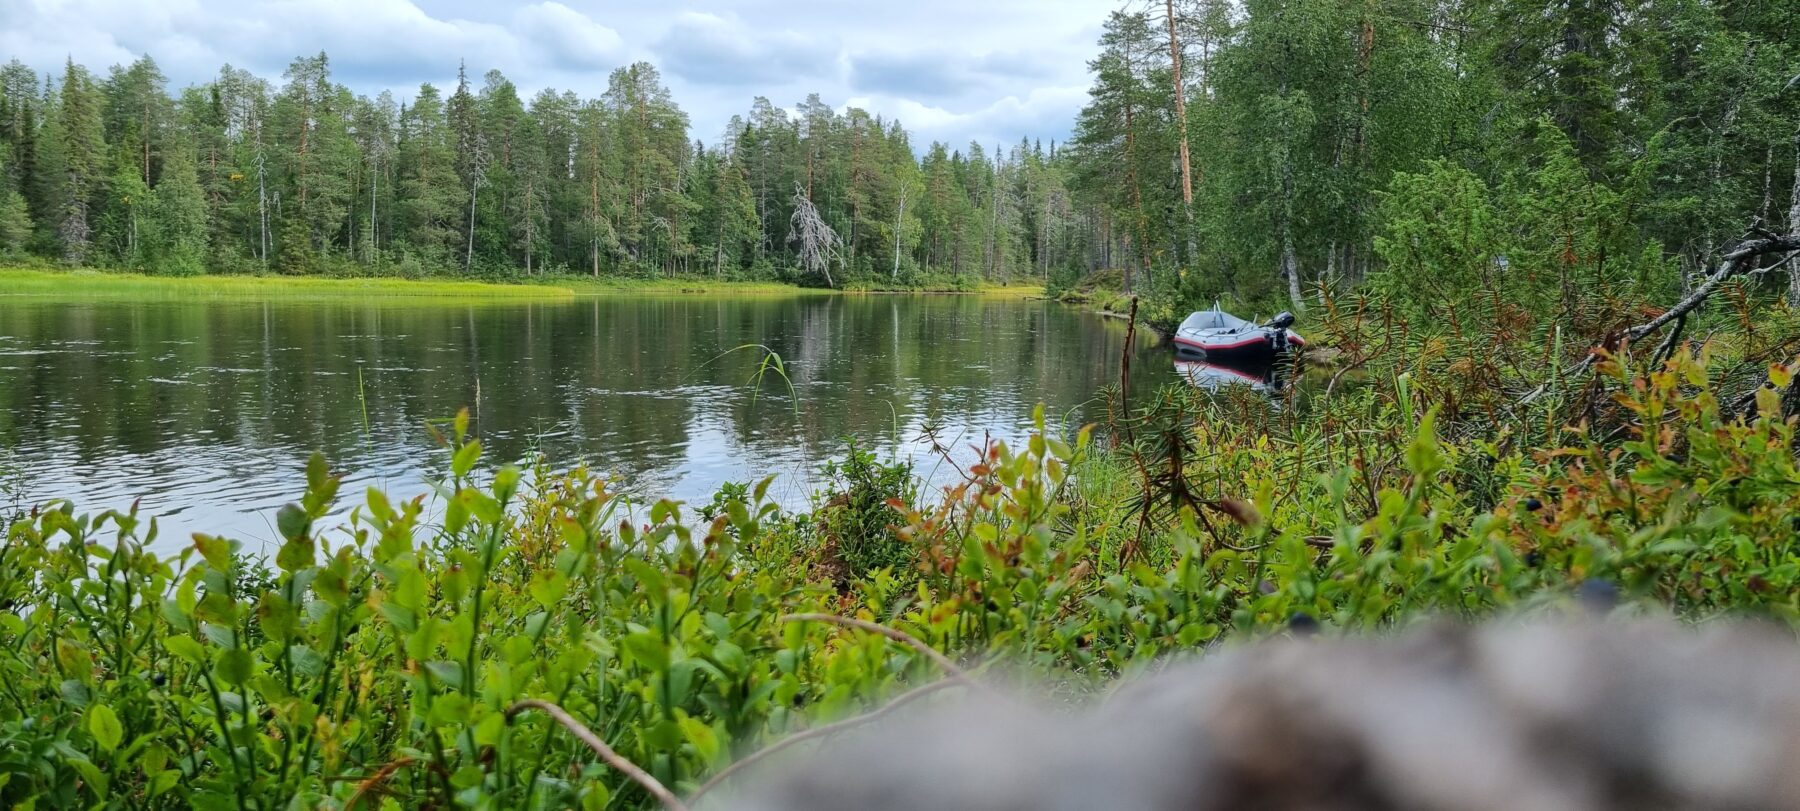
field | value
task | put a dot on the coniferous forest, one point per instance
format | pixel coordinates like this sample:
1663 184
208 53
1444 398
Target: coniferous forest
1250 150
560 545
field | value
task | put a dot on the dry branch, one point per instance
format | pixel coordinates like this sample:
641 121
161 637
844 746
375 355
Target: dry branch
902 637
613 759
1740 260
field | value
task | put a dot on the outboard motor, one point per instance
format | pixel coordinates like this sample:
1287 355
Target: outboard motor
1278 326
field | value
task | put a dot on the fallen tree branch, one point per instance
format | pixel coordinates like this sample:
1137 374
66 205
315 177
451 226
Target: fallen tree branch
614 759
1737 261
1667 349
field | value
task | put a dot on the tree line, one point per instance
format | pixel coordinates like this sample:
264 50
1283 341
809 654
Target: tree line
1263 148
1247 149
239 175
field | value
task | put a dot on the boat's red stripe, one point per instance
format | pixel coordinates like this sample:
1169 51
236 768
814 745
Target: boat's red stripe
1246 342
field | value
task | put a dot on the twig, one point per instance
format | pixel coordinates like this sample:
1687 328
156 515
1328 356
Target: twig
876 628
1125 367
613 759
821 731
373 783
1667 349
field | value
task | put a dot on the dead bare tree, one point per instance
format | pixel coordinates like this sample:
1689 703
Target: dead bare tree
819 244
1793 218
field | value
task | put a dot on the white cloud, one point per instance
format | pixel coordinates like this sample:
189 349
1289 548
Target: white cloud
1044 112
951 70
567 36
703 47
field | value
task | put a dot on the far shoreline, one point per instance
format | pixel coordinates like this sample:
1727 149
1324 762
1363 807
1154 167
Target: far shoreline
48 283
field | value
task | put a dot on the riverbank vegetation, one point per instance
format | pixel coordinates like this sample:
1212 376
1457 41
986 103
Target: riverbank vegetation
138 286
451 650
49 281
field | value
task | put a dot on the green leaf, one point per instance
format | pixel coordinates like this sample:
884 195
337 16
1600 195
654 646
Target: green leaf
506 482
648 650
90 773
163 781
233 665
296 554
548 587
104 726
464 461
448 672
306 661
292 521
704 739
216 551
185 648
316 472
729 656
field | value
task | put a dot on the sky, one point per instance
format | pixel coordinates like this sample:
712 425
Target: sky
950 70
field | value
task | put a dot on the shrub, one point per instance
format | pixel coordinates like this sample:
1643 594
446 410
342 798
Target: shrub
863 505
384 662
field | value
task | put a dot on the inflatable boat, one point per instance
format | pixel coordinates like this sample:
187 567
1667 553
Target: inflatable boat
1223 336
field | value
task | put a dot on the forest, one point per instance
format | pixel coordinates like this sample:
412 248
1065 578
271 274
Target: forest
241 176
1544 253
1252 151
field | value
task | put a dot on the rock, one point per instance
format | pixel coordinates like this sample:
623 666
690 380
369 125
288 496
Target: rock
1568 716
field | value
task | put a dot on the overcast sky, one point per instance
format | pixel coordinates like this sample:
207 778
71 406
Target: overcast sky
951 70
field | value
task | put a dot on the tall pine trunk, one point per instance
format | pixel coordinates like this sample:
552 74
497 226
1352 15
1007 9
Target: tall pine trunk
1793 225
1187 172
899 222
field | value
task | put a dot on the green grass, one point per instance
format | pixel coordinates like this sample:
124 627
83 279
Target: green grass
95 284
617 285
90 284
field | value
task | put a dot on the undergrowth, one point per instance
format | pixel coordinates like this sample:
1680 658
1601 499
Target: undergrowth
381 661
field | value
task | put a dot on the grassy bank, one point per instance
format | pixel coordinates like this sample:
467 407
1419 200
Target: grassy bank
87 284
92 284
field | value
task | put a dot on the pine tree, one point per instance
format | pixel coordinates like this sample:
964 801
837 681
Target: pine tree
178 216
15 222
74 160
430 193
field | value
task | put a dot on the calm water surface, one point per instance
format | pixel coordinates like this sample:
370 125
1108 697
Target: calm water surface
208 410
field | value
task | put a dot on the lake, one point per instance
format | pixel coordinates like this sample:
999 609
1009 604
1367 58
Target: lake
208 410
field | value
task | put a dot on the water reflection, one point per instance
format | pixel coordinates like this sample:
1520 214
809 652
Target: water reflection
208 410
1215 375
